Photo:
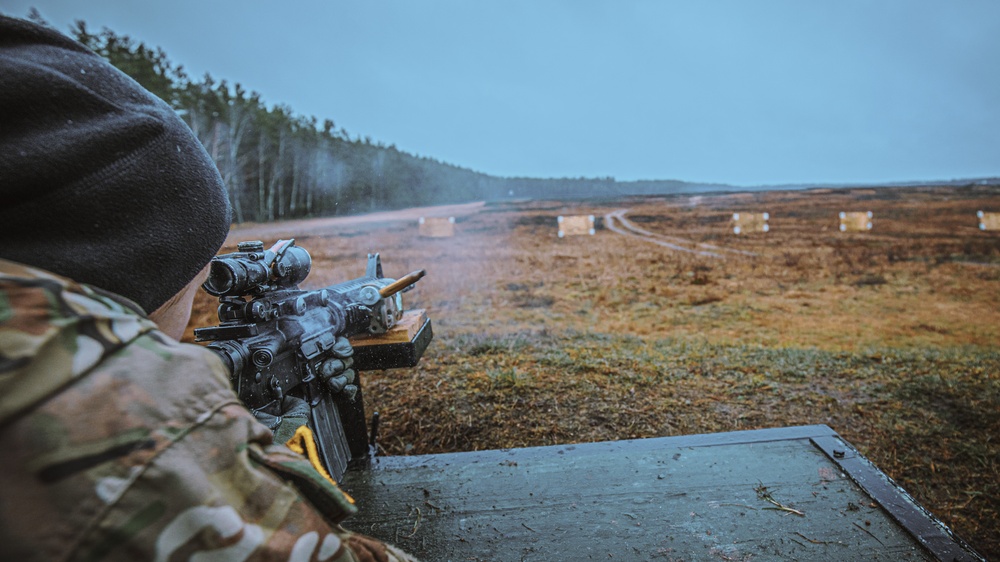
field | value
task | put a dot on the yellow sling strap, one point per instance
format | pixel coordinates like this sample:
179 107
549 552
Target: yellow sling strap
304 444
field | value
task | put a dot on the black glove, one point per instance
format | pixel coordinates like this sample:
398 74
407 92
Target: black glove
338 375
336 371
294 414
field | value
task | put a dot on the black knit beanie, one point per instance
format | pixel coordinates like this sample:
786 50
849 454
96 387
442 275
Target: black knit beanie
100 181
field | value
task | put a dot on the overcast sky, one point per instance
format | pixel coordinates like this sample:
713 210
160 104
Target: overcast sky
743 92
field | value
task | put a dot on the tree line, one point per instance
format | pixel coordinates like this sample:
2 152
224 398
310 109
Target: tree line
279 165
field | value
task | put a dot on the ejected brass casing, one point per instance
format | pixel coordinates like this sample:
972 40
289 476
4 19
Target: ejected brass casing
401 283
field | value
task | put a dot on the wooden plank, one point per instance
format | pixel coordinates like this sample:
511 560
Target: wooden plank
403 347
681 498
404 330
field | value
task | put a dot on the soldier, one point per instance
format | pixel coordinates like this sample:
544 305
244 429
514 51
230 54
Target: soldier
119 442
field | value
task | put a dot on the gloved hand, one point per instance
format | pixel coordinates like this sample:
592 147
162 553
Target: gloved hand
294 413
339 377
336 371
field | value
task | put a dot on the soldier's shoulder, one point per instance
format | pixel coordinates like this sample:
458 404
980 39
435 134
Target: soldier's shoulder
53 330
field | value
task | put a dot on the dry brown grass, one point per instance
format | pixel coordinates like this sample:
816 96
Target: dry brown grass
890 337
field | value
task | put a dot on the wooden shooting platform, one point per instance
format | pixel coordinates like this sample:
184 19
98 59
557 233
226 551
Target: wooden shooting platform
725 496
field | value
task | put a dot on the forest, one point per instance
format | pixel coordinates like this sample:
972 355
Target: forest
279 165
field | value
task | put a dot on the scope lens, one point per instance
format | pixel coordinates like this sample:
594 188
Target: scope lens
244 273
221 278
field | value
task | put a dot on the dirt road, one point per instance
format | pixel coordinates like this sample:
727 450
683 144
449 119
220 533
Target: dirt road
328 225
628 228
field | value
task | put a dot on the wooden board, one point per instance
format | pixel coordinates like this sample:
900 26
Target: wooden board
856 221
988 221
747 223
404 330
400 347
578 225
437 227
693 497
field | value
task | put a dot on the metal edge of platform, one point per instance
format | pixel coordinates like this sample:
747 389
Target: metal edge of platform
926 529
695 440
930 532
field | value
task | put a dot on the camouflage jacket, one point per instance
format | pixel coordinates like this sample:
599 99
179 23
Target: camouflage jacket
119 443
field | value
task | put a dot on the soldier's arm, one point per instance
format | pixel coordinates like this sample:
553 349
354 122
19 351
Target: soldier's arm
142 452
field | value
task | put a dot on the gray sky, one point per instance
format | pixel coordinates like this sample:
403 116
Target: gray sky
743 92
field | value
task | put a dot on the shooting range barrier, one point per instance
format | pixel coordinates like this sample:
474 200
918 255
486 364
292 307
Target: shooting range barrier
437 227
855 221
795 493
746 223
577 225
988 221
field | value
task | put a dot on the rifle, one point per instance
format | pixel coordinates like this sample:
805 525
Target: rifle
280 341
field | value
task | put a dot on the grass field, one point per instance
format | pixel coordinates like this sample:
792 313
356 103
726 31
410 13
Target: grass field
891 337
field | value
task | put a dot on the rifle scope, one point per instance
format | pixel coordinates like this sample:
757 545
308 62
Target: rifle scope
252 269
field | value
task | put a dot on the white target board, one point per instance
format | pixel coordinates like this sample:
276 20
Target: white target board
577 225
748 223
856 221
437 227
988 221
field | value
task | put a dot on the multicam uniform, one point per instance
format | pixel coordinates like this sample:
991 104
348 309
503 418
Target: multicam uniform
121 444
